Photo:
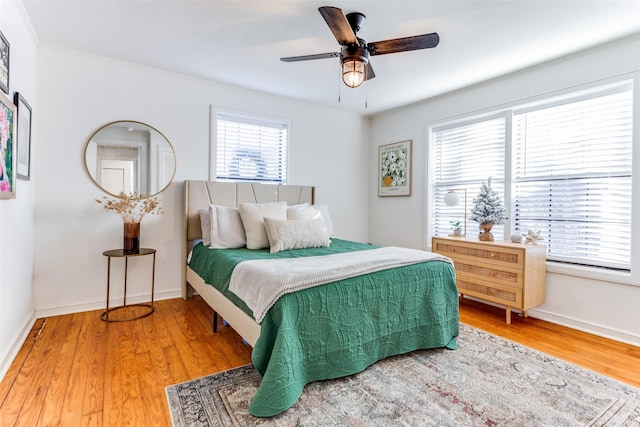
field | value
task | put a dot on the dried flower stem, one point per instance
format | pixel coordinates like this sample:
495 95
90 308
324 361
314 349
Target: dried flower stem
131 208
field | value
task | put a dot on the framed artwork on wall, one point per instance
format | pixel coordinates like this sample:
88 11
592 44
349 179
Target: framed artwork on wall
4 64
7 144
394 169
23 140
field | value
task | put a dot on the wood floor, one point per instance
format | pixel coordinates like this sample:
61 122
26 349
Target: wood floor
76 370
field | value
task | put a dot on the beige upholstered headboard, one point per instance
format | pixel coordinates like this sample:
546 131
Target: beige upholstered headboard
201 194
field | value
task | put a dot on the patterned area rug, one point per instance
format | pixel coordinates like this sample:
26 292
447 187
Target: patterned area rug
488 381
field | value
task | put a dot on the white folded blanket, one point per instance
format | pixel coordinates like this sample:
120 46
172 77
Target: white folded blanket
260 283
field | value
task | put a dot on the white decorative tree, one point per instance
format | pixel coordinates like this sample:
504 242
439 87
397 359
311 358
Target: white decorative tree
487 210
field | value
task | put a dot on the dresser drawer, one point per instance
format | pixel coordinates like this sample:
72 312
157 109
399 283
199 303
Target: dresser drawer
480 271
507 295
508 257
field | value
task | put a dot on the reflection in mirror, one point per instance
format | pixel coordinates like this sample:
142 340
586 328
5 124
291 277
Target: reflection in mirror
130 157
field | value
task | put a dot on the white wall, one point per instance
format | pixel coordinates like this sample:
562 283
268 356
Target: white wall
77 93
16 216
603 307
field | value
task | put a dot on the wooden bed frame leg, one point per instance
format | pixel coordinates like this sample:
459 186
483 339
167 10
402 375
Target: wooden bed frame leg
215 322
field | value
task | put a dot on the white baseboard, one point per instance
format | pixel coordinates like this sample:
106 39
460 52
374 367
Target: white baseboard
97 305
583 326
570 322
16 345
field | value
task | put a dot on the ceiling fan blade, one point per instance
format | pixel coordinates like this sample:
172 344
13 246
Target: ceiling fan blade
338 25
310 57
369 74
404 44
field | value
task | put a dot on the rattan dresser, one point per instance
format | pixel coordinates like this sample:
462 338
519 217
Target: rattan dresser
512 274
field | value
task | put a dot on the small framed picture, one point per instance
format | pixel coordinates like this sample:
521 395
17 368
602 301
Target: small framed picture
394 169
7 148
4 64
23 140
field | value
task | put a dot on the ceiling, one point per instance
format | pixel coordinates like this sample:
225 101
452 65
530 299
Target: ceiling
240 42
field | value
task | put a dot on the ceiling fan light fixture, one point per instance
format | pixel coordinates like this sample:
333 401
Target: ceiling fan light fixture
353 72
354 60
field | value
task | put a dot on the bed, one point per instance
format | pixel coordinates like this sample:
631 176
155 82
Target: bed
320 332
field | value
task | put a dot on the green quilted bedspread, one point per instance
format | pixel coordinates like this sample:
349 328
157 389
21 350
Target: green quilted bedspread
340 328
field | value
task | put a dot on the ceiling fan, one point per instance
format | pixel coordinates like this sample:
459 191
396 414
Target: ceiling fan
354 53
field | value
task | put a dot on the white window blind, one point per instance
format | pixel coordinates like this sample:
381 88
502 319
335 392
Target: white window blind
251 150
463 156
572 176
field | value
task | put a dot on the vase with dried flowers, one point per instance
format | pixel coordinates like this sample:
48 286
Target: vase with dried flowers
132 209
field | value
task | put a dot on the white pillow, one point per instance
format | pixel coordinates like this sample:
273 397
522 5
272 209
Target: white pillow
205 225
324 210
301 205
295 234
253 215
303 213
227 230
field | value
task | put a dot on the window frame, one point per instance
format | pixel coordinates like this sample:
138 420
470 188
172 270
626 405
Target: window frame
473 184
215 112
631 277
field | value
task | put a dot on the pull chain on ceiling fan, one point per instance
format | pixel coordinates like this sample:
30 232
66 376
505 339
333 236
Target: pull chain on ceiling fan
354 52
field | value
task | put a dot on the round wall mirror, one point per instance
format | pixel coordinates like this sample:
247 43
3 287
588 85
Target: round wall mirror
130 157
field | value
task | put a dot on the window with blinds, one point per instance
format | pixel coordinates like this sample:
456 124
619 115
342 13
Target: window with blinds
572 176
568 162
465 155
250 149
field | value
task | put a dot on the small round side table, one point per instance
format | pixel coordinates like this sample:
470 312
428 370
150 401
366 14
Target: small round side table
120 253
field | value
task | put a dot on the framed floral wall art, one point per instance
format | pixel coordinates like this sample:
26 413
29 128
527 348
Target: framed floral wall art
7 144
394 169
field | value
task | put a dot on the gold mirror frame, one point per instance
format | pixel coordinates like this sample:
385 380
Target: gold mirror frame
130 156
